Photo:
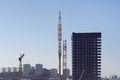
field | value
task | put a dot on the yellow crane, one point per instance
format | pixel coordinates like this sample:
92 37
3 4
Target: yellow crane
20 66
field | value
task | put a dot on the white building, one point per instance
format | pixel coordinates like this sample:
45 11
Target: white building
38 69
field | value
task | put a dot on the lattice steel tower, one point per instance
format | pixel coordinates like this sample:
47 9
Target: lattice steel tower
64 59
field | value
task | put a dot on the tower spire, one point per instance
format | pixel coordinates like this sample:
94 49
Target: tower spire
59 17
59 44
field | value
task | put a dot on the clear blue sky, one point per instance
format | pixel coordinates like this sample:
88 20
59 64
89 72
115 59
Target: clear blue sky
30 27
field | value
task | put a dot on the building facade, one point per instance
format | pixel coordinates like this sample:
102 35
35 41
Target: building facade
86 56
26 70
39 69
53 73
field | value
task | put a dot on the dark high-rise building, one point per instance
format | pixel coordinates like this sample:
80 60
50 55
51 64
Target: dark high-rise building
86 56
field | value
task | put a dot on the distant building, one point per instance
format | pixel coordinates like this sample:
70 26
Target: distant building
3 70
53 73
113 77
9 69
86 56
14 69
66 72
32 70
38 69
46 74
26 70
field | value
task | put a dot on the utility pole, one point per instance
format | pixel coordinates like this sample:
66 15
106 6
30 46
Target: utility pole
59 44
20 66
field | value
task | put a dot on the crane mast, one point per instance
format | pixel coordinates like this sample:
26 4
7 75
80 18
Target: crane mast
59 45
64 59
20 66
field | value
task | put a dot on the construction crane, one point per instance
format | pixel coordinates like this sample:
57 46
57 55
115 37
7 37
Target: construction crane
64 59
81 75
20 66
59 45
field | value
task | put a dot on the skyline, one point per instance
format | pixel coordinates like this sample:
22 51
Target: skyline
30 27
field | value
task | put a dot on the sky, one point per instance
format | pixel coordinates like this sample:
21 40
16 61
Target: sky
30 27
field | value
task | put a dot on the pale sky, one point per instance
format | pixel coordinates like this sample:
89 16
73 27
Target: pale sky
30 27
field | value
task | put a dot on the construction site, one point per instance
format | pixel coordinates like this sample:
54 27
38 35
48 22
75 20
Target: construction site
59 39
86 60
18 73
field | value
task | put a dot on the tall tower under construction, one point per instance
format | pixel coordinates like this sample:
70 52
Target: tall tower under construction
59 45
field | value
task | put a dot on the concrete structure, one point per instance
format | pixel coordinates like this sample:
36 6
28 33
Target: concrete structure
38 69
86 56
